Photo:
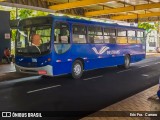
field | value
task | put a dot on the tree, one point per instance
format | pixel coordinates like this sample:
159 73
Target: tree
24 13
148 26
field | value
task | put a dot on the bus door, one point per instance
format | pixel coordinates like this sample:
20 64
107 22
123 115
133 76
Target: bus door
62 62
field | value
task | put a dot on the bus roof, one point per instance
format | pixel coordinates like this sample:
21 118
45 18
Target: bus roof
89 22
84 21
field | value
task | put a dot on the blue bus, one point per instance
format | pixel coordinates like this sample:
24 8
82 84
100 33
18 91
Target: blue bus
57 45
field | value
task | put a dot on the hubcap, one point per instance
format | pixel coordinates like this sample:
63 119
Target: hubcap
77 69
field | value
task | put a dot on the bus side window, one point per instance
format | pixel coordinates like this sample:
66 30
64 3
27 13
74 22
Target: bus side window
132 37
64 35
122 36
91 34
140 37
61 33
95 34
91 39
110 35
79 34
61 37
99 35
56 35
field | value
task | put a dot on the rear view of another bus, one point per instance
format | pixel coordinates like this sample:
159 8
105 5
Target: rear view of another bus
33 46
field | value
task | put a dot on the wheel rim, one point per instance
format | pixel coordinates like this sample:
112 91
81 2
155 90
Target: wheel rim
127 61
77 69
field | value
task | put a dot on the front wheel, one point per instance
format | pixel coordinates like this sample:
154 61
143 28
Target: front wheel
77 69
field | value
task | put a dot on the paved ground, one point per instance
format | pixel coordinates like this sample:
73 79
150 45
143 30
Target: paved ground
5 68
143 101
149 55
95 91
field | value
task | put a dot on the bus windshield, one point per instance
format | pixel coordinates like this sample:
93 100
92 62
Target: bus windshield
33 38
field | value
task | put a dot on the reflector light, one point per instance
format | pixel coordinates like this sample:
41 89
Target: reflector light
42 72
58 60
69 59
99 56
49 59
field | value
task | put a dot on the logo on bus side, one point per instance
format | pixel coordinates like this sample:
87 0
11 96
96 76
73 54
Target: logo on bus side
101 51
104 49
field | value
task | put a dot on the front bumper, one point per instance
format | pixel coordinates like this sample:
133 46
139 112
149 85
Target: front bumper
47 68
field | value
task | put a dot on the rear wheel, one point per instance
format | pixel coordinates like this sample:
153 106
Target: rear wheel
77 69
46 77
126 62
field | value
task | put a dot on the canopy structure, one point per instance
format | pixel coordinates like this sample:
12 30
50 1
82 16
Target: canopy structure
125 10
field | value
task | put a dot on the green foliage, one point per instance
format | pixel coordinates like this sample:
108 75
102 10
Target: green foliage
39 13
24 13
13 35
13 14
147 26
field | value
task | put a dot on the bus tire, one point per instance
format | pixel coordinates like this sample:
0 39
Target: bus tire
120 66
77 69
126 62
45 77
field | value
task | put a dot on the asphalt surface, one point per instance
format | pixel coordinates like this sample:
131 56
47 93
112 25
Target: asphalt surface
96 90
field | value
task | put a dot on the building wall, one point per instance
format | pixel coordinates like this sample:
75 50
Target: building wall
152 42
5 40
